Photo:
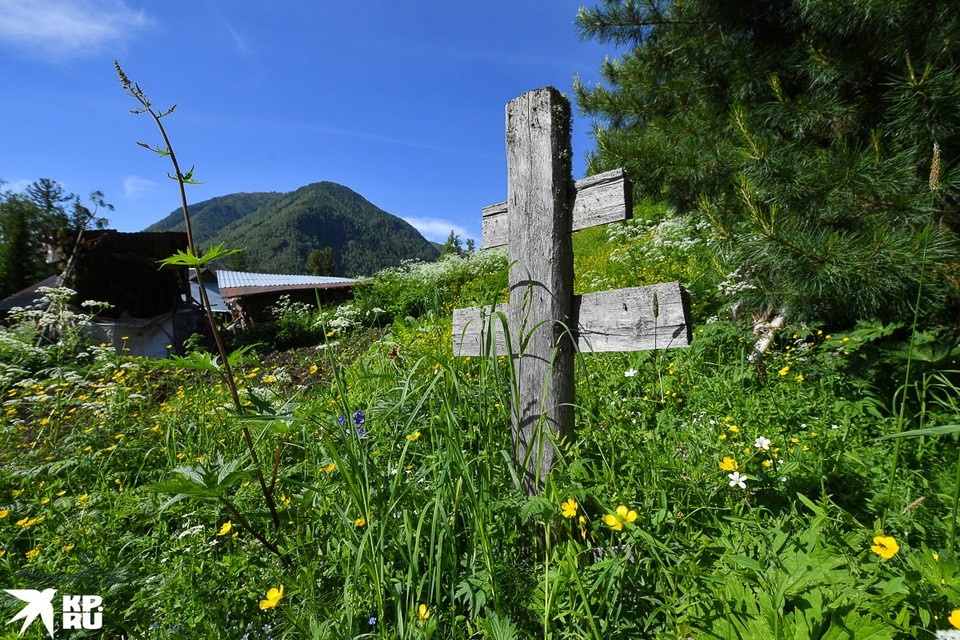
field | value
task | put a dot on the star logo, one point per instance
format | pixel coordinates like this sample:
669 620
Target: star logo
39 604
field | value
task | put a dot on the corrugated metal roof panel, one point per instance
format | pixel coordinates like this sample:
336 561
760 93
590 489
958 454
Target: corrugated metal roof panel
227 279
239 283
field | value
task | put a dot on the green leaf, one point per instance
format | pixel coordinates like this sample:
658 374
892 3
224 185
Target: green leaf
189 259
537 507
857 625
161 152
188 177
810 504
197 360
204 480
916 433
745 563
237 355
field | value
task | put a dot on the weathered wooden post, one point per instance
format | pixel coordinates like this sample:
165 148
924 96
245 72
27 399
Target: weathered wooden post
539 201
546 321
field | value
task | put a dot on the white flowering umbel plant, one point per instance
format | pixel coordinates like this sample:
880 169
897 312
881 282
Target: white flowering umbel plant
193 259
51 330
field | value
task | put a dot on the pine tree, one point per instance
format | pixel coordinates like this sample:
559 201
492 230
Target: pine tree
453 245
320 262
61 213
43 220
804 131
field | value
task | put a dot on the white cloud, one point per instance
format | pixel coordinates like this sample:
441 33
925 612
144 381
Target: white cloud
67 27
135 186
16 186
238 40
437 229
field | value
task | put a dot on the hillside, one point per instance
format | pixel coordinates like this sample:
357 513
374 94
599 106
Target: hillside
279 230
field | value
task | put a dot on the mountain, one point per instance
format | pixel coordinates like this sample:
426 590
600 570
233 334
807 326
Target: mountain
279 230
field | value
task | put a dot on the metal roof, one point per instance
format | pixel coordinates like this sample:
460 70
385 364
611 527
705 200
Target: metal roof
27 297
234 284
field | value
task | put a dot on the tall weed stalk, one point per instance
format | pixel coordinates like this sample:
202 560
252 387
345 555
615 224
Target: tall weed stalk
193 259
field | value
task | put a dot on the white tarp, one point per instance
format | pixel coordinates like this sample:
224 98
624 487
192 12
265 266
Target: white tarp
151 337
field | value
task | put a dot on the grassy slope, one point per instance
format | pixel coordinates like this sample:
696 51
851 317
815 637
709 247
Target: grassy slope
404 521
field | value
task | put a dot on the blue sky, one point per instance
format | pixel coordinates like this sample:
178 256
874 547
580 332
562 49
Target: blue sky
401 101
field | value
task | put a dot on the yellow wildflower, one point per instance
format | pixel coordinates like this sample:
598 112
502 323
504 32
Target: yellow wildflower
728 464
413 437
885 547
954 618
784 371
273 597
359 522
622 516
329 468
569 508
423 613
225 529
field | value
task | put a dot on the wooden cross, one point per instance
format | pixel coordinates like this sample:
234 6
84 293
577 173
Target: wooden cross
545 321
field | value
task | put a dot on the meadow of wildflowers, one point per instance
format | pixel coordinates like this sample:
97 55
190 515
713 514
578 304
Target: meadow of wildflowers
704 495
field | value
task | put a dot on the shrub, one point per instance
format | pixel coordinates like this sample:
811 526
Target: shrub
419 288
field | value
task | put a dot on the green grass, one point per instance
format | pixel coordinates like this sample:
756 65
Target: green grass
400 509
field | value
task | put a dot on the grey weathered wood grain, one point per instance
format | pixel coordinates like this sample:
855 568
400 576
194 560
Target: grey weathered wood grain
620 320
540 201
479 331
600 199
633 319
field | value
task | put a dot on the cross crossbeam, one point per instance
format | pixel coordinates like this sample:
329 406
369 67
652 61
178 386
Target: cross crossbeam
544 206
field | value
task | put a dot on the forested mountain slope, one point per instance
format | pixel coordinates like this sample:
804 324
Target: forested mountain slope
278 231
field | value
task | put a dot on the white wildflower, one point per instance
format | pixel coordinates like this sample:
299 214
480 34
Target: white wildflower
737 480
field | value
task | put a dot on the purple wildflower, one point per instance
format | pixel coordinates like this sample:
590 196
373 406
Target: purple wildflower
358 429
